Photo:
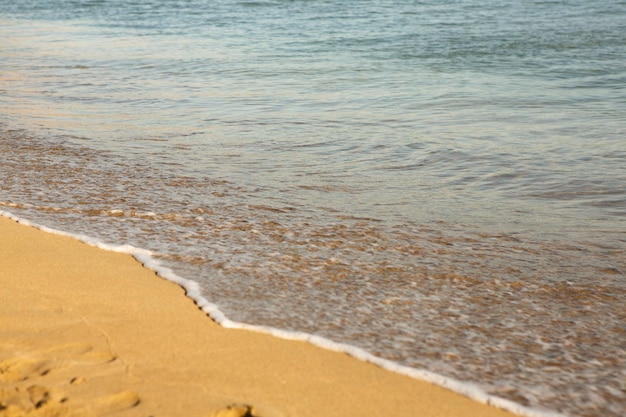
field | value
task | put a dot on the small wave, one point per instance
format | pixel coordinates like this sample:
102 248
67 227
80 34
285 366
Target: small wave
193 291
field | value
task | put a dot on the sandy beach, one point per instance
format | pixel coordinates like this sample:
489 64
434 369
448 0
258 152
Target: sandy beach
87 332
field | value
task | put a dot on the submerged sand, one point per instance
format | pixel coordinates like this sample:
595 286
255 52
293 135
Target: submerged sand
87 332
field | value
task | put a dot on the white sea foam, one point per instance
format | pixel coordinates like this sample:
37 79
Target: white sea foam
193 291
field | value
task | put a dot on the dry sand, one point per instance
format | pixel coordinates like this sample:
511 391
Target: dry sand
87 332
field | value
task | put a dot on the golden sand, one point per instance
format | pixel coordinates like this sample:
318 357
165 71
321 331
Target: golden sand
87 332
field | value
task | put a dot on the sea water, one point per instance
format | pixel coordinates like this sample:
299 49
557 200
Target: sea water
439 183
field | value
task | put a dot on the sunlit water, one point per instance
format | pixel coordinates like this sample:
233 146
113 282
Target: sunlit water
442 183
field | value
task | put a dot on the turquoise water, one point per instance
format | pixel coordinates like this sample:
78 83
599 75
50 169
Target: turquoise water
438 182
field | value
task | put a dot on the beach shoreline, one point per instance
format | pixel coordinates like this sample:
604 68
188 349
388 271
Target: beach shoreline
91 332
409 184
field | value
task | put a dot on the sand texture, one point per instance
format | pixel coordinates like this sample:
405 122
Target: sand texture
87 332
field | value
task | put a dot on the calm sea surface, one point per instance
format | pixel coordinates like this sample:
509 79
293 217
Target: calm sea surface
442 183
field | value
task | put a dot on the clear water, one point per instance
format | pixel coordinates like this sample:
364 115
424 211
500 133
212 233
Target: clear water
442 183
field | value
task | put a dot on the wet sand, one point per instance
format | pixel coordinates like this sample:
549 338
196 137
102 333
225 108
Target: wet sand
87 332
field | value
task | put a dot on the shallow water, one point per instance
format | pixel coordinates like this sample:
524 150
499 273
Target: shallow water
438 182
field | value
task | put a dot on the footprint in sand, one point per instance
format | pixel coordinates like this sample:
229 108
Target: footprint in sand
39 382
42 401
236 411
30 363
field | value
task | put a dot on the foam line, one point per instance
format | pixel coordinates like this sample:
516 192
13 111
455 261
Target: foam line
193 291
